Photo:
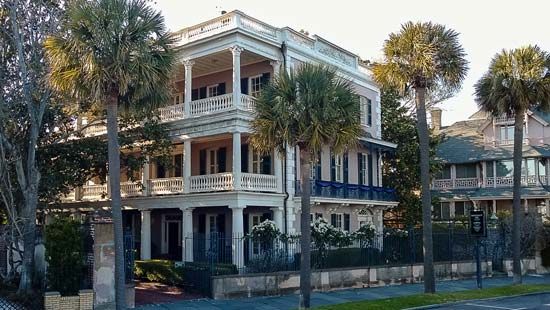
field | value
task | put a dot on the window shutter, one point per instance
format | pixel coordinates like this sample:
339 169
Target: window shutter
202 162
266 164
221 89
221 159
318 167
244 86
369 168
332 167
178 165
346 221
345 162
333 220
265 78
369 112
360 170
244 158
195 94
202 92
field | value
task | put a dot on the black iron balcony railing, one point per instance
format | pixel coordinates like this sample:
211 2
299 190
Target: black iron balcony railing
329 189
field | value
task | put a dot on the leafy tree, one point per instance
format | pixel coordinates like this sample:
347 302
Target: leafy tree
309 108
24 98
420 59
115 53
517 80
65 255
402 169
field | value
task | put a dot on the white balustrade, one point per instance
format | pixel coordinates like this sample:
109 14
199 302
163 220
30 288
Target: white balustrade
259 182
211 182
248 102
211 105
171 113
505 119
258 27
94 192
466 183
442 183
94 130
166 186
130 189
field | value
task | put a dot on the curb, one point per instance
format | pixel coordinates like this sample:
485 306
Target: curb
467 300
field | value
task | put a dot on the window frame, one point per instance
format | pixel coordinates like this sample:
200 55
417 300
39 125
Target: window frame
251 84
338 168
364 168
210 89
209 164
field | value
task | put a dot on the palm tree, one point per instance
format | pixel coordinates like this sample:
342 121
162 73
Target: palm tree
113 52
308 108
518 80
423 58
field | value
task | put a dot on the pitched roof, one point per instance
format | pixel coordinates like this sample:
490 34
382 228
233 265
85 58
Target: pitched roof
463 142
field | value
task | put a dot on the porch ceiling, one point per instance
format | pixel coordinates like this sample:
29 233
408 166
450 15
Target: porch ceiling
218 62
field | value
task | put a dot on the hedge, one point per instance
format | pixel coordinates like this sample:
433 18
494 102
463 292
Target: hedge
156 270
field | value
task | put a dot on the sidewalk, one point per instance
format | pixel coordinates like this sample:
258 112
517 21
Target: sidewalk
337 297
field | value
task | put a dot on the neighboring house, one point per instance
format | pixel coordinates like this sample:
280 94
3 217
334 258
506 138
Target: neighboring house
477 164
218 184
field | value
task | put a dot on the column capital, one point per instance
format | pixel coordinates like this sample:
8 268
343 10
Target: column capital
275 63
145 210
236 50
276 208
187 209
237 207
188 63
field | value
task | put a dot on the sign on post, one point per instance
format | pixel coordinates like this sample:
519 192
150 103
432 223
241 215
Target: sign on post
478 224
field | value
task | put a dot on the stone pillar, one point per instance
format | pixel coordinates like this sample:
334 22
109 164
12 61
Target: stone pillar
238 233
145 235
187 232
236 52
278 217
188 86
278 171
276 64
186 165
145 176
237 161
104 266
494 206
525 206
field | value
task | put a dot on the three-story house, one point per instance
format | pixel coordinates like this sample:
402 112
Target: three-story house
218 184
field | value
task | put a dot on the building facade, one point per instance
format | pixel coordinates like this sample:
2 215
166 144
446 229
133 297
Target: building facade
477 164
218 184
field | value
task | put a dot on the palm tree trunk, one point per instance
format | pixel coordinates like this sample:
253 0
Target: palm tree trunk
114 183
516 203
424 141
305 228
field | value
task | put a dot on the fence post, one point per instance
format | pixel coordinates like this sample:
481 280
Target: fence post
450 245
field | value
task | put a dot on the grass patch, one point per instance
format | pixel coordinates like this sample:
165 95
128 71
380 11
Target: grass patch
439 298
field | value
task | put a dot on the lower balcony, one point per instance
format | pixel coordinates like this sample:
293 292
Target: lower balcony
328 189
218 182
505 181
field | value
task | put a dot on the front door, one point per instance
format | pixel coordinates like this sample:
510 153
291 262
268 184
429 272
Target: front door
174 246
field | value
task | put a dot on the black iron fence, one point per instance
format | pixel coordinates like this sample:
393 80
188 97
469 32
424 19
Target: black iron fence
389 248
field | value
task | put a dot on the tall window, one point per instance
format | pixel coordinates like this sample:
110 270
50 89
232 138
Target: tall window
364 170
466 171
505 168
212 161
213 90
542 167
256 162
445 173
255 85
528 167
338 168
462 208
340 221
366 110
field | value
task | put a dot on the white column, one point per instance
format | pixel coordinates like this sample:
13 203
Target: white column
278 171
186 164
494 206
188 85
237 160
236 51
379 168
494 173
483 175
276 64
145 234
187 232
145 176
238 233
547 205
278 217
525 206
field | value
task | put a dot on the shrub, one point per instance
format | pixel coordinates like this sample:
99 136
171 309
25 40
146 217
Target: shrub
162 271
64 255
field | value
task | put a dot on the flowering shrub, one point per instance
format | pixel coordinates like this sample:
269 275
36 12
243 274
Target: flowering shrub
325 235
396 232
266 231
365 235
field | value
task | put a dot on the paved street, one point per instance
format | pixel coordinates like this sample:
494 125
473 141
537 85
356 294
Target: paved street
532 301
337 297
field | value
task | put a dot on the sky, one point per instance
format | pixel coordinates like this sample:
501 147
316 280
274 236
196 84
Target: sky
485 27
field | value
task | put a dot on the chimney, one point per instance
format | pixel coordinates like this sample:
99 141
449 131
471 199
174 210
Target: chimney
436 119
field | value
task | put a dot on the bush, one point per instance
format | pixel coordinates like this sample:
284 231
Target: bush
162 271
64 255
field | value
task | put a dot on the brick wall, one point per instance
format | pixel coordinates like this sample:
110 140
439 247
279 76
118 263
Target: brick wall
84 301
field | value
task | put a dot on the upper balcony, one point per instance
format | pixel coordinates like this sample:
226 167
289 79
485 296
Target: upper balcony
338 190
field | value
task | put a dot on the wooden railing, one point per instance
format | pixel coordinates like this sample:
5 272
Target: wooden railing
530 180
94 192
171 113
166 186
130 189
211 105
211 182
259 182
